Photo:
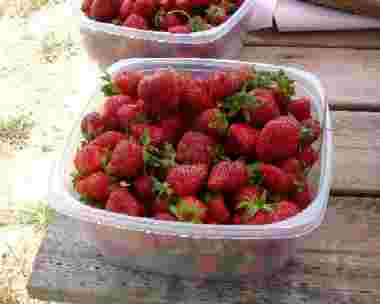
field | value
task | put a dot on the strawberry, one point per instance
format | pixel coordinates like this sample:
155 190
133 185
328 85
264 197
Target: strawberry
86 7
278 140
179 29
172 128
92 125
102 10
251 207
310 131
145 8
196 148
127 81
196 95
275 179
165 217
126 160
228 176
190 209
89 159
166 4
213 122
94 186
184 5
241 139
216 14
187 179
161 204
144 187
217 208
303 195
293 167
169 21
108 140
284 210
131 113
126 9
307 156
211 221
136 21
155 133
110 108
246 193
160 92
263 109
300 108
260 218
121 201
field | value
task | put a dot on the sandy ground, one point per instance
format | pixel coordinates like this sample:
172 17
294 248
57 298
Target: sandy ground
42 72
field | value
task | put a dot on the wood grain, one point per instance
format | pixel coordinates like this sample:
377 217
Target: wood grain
336 264
350 76
346 39
360 7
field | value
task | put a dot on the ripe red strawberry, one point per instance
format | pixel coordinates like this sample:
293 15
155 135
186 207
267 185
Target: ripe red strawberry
284 210
228 176
187 179
169 21
94 186
161 204
92 125
111 105
144 187
127 81
196 94
222 84
216 14
246 193
126 10
145 8
260 218
179 29
130 114
294 167
196 148
136 21
211 221
252 206
310 131
275 179
108 140
217 209
241 139
263 110
156 135
165 217
190 209
166 4
278 140
89 159
172 128
161 93
86 7
307 156
102 10
121 201
300 108
212 121
303 195
127 159
184 5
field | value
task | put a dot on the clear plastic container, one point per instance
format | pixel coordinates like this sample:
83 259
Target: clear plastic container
191 250
106 43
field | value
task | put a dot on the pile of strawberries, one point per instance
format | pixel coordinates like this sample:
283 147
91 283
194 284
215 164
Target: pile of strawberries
175 16
232 148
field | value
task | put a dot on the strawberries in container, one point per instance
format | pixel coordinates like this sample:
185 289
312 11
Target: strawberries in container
207 177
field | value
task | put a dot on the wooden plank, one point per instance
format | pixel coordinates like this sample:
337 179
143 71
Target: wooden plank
357 158
350 76
360 7
337 264
347 39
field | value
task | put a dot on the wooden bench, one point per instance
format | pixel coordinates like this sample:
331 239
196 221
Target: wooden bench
337 264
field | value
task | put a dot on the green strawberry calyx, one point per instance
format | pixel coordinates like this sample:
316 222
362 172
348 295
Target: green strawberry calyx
108 88
184 211
256 177
160 188
241 100
219 121
215 11
197 24
255 205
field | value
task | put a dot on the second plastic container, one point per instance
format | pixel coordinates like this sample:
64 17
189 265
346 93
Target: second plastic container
191 250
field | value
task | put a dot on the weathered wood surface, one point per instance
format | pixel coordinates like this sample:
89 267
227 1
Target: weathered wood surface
346 39
350 76
361 7
357 153
337 264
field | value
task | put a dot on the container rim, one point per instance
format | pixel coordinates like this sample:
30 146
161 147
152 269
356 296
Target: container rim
304 222
192 38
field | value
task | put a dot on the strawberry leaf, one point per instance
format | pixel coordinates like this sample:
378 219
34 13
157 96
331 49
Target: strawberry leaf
108 88
151 160
256 177
233 104
160 188
145 137
197 24
173 209
75 175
